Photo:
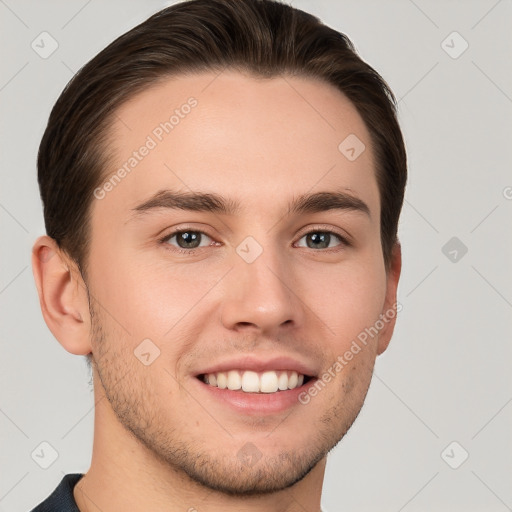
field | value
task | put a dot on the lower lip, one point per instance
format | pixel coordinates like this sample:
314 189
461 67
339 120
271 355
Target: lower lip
257 403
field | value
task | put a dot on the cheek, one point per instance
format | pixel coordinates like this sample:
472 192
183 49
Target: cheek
349 301
152 299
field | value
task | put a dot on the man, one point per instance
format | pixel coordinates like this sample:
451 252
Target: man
221 189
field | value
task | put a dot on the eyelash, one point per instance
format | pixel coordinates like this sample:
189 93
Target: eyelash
164 241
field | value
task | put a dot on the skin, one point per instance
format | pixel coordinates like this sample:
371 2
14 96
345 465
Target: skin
161 442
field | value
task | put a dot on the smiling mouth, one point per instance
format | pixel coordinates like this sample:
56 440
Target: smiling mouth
255 382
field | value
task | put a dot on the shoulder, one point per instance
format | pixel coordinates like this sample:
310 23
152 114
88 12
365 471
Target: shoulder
61 499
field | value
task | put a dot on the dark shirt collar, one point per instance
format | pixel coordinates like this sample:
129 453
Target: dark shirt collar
61 499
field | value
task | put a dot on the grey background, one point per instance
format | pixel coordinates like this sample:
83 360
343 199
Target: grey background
445 376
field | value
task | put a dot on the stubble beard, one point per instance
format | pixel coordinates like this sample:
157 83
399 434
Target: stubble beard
130 399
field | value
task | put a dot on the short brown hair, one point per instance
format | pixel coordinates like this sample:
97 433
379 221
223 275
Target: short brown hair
262 37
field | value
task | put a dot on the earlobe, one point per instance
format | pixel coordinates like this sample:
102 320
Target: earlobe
62 296
391 307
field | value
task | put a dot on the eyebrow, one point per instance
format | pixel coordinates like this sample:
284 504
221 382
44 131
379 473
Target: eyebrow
215 203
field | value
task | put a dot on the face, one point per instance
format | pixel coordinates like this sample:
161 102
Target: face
232 264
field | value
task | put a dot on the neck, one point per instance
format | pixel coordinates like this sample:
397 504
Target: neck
125 475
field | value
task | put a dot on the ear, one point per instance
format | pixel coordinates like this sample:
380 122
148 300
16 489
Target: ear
391 307
62 296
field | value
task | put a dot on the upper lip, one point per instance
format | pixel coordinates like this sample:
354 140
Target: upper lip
258 364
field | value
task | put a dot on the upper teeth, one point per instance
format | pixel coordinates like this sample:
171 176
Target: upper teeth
254 382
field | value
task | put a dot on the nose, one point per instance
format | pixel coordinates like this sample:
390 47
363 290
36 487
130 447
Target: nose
261 296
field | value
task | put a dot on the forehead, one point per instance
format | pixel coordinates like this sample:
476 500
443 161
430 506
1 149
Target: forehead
255 139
